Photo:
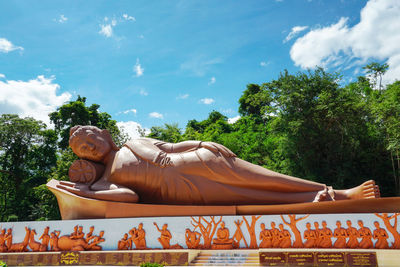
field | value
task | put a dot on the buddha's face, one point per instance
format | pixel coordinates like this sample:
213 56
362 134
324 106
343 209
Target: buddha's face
90 143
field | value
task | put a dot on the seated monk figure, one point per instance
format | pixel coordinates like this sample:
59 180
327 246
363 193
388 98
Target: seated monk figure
188 173
222 236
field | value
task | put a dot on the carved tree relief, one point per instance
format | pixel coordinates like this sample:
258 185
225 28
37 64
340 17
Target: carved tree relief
252 230
298 242
207 231
391 228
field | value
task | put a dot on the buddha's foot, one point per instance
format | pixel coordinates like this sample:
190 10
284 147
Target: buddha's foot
367 189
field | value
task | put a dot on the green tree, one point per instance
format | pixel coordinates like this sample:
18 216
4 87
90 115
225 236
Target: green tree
376 70
169 133
27 155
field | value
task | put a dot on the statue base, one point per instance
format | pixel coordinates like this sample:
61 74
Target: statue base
76 207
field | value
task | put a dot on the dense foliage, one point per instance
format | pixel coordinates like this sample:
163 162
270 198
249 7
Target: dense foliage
307 125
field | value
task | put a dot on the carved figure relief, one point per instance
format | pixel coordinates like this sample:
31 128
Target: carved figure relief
265 237
284 237
207 228
381 235
3 247
192 239
352 234
366 236
54 240
341 235
222 241
325 235
45 237
310 237
391 228
124 243
317 234
275 236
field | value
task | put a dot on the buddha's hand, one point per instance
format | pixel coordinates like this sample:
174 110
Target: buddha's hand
163 160
79 189
215 147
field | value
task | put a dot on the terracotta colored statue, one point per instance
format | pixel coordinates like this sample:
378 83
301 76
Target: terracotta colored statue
54 240
317 232
192 239
366 235
340 234
381 235
310 237
94 245
275 235
17 247
265 237
325 236
45 237
352 233
138 237
89 235
284 237
222 236
190 172
123 244
165 236
3 247
33 244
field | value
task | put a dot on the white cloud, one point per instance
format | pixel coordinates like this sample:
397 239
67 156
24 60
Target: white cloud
207 101
107 28
156 115
137 69
34 98
6 46
264 64
184 96
134 111
62 18
212 81
143 91
234 119
127 17
375 37
2 75
132 128
295 31
141 36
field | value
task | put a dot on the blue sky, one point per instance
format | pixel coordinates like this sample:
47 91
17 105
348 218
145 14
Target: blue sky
153 62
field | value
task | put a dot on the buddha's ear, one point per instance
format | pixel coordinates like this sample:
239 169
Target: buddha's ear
108 137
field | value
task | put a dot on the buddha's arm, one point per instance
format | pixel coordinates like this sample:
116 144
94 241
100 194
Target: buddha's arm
114 193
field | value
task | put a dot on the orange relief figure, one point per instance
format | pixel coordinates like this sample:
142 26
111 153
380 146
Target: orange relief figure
17 247
366 235
89 235
123 244
317 234
275 236
34 245
222 241
74 234
284 237
140 237
165 237
3 247
381 235
309 236
325 236
353 234
54 240
340 234
265 237
192 239
207 229
45 237
96 241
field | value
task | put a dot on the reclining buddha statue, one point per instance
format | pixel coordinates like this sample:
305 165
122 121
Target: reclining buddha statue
187 173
